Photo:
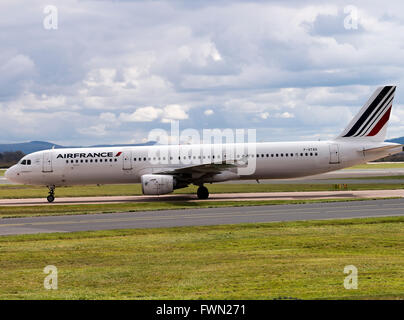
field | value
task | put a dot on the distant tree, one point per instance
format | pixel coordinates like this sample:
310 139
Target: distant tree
398 157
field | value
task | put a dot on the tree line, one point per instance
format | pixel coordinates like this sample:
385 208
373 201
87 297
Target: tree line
9 158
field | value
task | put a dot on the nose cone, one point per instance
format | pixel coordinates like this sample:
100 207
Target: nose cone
10 174
7 173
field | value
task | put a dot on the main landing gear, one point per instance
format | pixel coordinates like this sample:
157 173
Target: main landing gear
51 196
203 192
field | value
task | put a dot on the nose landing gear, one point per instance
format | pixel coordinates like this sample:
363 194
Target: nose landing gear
51 196
202 193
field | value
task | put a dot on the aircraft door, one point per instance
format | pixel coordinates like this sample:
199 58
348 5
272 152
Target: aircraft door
127 160
334 154
47 162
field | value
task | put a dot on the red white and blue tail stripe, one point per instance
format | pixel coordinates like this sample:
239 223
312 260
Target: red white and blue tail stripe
371 121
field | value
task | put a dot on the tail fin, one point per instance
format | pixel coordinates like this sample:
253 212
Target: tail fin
371 121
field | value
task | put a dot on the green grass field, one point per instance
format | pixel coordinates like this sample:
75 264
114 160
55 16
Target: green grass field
397 177
53 210
2 172
21 191
379 165
303 260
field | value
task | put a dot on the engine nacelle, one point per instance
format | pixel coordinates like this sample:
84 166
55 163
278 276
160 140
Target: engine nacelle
155 184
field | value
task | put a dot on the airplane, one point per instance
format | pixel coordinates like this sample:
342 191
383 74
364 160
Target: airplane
360 142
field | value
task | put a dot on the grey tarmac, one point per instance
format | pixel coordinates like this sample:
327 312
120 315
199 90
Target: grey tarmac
251 196
203 217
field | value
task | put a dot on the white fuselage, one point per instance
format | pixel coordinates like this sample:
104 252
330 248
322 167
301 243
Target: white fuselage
114 165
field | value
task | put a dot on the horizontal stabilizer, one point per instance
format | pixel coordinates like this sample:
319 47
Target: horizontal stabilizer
376 149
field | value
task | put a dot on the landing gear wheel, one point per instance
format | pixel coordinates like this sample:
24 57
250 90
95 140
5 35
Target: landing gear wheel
51 196
203 192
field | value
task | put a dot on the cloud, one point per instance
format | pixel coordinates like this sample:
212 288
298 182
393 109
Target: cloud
111 64
148 114
145 114
174 112
264 115
285 115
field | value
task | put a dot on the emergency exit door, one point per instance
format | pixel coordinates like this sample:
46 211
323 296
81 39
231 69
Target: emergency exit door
47 162
127 160
334 154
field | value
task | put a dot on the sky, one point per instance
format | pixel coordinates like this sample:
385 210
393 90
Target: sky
95 72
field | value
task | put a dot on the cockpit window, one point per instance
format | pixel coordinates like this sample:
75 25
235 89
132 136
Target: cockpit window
26 162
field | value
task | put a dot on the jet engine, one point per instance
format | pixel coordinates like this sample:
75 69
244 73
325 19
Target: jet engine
155 184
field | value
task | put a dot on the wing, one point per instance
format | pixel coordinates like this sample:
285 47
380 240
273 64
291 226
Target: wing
206 172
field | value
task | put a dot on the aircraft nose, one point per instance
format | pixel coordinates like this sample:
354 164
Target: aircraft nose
9 174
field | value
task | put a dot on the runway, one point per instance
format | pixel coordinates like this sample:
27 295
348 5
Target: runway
202 217
261 196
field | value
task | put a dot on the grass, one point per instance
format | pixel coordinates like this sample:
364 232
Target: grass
2 172
398 177
379 165
53 210
303 260
22 191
